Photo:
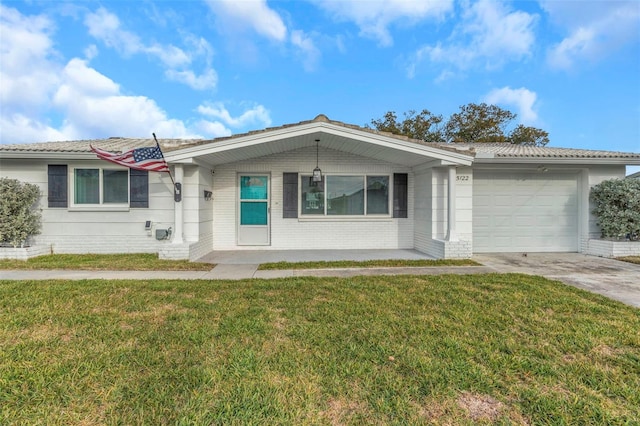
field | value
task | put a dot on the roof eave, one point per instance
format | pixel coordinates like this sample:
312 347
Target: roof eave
549 160
47 155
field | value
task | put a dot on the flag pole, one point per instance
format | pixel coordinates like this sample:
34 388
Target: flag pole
160 149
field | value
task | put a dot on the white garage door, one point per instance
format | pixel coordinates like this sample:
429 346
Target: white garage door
533 212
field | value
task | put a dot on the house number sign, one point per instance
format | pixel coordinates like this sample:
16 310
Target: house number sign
463 178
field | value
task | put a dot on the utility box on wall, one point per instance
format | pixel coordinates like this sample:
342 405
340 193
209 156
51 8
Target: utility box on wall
163 234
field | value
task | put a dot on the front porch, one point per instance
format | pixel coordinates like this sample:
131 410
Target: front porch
256 257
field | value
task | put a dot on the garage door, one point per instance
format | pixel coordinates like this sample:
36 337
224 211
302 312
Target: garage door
533 212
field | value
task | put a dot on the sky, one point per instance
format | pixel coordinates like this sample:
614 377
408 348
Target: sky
74 70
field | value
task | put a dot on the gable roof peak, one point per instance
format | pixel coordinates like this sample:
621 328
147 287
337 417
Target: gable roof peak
321 118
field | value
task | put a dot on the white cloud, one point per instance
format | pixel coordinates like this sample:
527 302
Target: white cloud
254 14
27 57
308 51
595 29
374 17
91 51
257 115
90 104
170 55
206 80
93 105
213 129
489 33
106 27
18 128
523 99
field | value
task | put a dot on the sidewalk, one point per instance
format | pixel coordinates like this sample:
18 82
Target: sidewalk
233 272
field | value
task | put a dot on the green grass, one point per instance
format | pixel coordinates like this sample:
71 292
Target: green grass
150 262
493 349
395 263
105 262
630 259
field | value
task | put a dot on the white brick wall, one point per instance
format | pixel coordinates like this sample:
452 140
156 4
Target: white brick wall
66 230
25 253
431 214
605 248
305 233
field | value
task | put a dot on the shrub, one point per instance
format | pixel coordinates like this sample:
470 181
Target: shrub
617 207
19 217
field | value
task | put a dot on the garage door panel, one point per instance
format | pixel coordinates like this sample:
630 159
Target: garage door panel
482 201
530 212
502 222
543 200
523 220
501 200
503 242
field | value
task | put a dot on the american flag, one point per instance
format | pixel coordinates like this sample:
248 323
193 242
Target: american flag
150 158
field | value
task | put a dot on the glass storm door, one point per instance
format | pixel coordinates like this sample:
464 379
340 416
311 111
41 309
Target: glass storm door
253 210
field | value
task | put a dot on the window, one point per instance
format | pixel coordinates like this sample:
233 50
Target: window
337 195
101 186
97 187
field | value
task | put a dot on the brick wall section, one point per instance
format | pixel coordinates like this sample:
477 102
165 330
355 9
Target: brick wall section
431 214
24 253
605 248
65 230
308 233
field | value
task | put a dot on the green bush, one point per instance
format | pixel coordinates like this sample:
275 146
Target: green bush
19 216
617 207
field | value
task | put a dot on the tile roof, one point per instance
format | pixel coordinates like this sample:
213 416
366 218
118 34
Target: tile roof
110 144
480 150
507 150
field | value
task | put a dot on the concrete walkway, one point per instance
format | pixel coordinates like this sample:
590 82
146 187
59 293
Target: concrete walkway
611 278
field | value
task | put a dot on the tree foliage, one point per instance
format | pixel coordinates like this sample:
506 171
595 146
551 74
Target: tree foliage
617 207
523 135
424 125
19 218
474 123
478 123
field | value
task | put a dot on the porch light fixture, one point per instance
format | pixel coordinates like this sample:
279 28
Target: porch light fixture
317 173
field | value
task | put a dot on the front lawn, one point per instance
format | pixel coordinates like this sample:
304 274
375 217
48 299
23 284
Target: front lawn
366 350
105 262
381 263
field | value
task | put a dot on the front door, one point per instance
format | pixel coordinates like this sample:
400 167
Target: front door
253 210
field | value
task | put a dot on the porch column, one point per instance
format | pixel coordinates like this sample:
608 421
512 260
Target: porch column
178 174
451 205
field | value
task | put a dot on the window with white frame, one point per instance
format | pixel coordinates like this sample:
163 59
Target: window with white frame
94 186
345 195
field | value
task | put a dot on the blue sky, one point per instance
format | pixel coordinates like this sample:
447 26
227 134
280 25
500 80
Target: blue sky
185 69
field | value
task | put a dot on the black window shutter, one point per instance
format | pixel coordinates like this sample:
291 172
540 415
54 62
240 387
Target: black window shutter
400 194
289 195
138 188
57 185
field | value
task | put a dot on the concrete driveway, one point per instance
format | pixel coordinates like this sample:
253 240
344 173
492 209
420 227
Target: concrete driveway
611 278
